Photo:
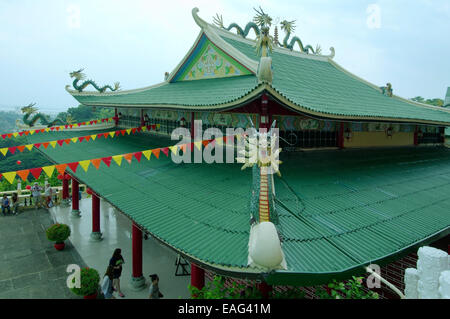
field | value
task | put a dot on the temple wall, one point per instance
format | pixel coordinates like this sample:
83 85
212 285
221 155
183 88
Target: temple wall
377 139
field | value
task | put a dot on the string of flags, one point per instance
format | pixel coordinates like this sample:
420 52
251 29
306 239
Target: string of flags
55 128
86 138
117 159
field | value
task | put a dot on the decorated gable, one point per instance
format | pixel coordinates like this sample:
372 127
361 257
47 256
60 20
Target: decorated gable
207 61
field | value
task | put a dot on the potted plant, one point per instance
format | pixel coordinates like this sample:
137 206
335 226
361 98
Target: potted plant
58 233
89 281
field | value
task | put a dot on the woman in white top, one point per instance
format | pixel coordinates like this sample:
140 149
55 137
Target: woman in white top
48 196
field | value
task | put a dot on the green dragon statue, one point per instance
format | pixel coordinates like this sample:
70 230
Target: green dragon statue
78 75
30 110
288 27
242 32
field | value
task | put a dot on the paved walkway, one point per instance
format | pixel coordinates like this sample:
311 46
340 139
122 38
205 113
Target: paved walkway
30 267
116 229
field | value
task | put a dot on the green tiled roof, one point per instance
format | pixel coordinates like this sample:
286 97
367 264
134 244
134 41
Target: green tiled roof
338 210
317 86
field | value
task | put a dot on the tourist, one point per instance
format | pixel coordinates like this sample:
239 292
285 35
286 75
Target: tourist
107 284
36 193
5 205
116 262
48 196
15 203
154 292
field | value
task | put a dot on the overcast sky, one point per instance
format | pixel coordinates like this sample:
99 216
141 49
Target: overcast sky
136 41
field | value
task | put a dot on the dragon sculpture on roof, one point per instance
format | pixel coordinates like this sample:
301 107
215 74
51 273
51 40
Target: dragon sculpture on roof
261 26
79 76
30 110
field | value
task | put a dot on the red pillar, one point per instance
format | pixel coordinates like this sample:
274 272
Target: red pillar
96 235
75 199
137 280
265 289
65 190
197 276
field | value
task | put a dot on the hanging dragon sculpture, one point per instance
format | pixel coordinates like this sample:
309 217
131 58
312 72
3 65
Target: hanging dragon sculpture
30 110
261 25
79 76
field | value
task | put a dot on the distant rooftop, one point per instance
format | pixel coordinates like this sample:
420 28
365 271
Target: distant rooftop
447 98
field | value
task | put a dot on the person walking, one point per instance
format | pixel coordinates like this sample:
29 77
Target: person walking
36 193
15 203
48 196
107 284
116 262
5 205
154 292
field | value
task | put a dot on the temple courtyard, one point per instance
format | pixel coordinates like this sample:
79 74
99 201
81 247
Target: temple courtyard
30 267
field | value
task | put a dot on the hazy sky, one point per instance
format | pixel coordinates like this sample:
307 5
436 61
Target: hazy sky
136 41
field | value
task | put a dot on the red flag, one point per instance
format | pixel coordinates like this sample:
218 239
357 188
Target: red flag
61 168
9 135
20 133
23 174
149 127
45 144
43 130
66 126
12 149
105 135
67 140
37 145
36 172
81 138
73 166
165 150
60 142
205 143
4 136
117 133
107 160
70 125
84 123
88 137
139 129
154 127
95 121
52 128
123 132
99 135
27 132
133 130
57 128
90 122
21 148
138 156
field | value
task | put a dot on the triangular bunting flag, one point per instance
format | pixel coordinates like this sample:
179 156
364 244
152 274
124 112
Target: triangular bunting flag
21 148
107 160
46 144
21 133
47 129
67 140
205 143
143 128
37 145
12 149
93 137
74 139
10 176
15 134
73 166
139 129
128 157
49 170
36 172
29 146
96 162
111 134
183 148
80 139
87 138
138 156
85 164
60 142
133 130
24 174
156 152
3 136
117 133
32 132
4 151
61 168
27 132
123 132
105 135
174 149
147 154
165 150
129 131
118 159
53 144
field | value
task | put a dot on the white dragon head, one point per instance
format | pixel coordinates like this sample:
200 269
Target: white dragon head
78 74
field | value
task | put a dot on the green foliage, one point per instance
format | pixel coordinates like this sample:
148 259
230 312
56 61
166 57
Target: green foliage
84 113
216 290
58 233
435 102
90 279
351 289
8 121
291 293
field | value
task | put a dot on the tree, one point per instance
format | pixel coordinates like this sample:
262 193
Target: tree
435 102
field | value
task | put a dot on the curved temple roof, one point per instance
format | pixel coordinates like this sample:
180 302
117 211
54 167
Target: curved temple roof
307 83
337 210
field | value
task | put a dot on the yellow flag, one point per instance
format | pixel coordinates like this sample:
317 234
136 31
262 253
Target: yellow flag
158 126
29 146
10 176
53 144
129 131
144 128
174 149
198 145
74 139
219 141
4 151
85 164
49 170
94 136
47 129
118 159
112 133
15 134
32 132
147 154
75 125
61 127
